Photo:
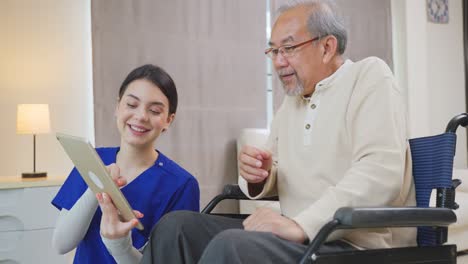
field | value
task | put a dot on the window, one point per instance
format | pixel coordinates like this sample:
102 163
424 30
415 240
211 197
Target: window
269 69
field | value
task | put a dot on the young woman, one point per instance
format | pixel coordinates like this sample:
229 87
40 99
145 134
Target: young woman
152 183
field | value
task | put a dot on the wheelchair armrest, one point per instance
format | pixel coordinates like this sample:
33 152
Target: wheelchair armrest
394 217
355 217
231 191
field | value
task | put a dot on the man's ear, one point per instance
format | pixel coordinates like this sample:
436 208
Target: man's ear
330 46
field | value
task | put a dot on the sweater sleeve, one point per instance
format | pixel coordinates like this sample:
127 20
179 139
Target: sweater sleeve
73 224
122 250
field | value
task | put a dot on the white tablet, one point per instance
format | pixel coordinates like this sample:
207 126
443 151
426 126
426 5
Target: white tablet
94 172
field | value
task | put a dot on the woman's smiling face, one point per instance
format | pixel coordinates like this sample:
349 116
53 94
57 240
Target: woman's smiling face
142 114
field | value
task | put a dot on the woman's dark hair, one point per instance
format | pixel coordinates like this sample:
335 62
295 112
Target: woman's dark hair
158 77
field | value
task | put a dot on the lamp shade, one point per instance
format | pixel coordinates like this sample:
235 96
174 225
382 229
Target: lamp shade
33 119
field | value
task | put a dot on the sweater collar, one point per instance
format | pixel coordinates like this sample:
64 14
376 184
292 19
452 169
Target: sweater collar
327 82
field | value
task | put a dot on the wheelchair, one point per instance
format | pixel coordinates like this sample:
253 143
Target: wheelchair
432 169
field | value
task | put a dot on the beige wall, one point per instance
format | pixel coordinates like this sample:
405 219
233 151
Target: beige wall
429 64
45 57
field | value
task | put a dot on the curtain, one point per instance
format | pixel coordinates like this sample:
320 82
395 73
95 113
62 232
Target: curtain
213 49
369 27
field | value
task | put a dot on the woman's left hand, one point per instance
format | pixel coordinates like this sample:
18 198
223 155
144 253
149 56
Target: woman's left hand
112 226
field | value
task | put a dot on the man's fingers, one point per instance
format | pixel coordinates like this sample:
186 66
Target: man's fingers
254 224
255 157
251 173
258 217
250 150
249 160
258 172
255 152
266 155
250 168
247 221
251 178
251 220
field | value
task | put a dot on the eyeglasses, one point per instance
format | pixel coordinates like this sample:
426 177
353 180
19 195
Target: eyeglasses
287 50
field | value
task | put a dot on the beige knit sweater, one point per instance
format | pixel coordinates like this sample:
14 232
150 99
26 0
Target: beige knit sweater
346 146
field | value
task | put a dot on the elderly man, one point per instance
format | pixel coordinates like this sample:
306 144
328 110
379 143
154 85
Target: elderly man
339 139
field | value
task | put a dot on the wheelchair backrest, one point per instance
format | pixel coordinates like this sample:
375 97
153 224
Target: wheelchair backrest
432 170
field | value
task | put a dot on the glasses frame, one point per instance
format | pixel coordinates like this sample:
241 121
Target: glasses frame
273 52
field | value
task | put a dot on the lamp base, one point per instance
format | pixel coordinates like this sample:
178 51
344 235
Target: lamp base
33 174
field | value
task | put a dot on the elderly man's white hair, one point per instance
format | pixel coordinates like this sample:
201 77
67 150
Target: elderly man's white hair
324 19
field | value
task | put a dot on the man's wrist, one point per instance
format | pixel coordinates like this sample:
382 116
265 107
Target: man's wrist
304 238
255 188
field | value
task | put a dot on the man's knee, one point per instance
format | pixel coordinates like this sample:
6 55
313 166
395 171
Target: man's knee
173 223
226 247
228 239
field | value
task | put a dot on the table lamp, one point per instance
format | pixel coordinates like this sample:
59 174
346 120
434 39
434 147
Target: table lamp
33 119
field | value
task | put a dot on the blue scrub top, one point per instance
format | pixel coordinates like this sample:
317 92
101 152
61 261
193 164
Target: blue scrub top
162 188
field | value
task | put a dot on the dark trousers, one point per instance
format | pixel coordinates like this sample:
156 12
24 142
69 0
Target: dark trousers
189 237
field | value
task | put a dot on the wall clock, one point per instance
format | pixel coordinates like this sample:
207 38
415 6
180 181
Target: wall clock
437 11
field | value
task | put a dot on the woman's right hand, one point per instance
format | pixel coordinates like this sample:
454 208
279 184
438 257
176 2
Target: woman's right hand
114 171
112 226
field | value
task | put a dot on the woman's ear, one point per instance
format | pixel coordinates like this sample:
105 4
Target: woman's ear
169 120
116 109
